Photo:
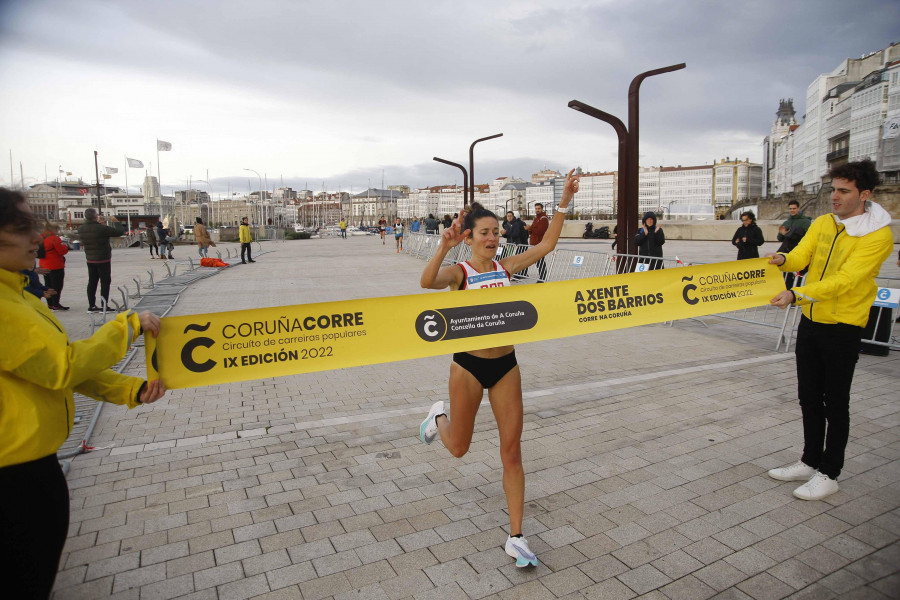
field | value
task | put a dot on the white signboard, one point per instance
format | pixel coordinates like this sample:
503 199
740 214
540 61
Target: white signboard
887 297
578 261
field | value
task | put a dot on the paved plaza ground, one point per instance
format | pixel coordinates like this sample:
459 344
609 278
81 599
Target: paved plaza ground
645 452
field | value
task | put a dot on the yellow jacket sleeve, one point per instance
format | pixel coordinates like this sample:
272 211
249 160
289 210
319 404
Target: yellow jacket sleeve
52 367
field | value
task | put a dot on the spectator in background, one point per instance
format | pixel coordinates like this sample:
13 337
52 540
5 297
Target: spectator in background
94 237
343 226
53 262
748 237
790 233
649 240
153 241
447 222
431 225
536 232
246 239
203 239
414 226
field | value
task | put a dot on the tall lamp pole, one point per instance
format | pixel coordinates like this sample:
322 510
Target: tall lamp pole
628 157
259 196
471 191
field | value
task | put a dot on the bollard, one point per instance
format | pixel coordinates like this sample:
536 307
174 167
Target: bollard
150 273
137 282
191 262
124 291
168 268
219 254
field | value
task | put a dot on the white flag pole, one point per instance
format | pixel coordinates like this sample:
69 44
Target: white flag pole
126 193
159 180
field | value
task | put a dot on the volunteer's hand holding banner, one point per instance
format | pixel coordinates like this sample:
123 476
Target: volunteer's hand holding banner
198 350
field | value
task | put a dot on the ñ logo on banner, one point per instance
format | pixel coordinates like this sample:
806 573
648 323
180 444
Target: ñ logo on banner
689 288
187 351
431 325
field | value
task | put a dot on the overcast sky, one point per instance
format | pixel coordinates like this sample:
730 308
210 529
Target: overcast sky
336 93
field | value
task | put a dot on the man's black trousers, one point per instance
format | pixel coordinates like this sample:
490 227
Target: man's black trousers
102 273
826 359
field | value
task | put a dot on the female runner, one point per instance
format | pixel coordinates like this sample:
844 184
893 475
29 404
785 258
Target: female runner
494 369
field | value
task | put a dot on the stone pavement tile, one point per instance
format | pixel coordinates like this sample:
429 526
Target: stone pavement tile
285 593
378 551
494 558
737 537
637 554
777 548
420 539
310 550
720 575
566 581
644 578
531 590
823 559
290 575
369 592
596 545
89 590
887 586
370 573
860 510
189 564
243 589
611 589
803 536
239 551
764 586
268 561
688 588
750 561
878 565
453 571
450 591
677 564
138 577
112 565
416 560
602 568
451 550
287 539
215 576
70 577
158 554
796 574
872 535
335 563
210 541
323 587
407 585
848 546
168 588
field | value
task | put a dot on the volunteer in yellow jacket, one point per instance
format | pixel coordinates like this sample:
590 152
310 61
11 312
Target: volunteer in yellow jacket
844 252
245 239
39 370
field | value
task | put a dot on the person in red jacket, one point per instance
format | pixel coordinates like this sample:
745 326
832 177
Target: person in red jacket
54 261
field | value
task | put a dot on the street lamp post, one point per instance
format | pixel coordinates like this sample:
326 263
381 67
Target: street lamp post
472 166
259 195
628 157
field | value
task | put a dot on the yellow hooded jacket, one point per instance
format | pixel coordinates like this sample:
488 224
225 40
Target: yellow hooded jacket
840 286
40 368
244 234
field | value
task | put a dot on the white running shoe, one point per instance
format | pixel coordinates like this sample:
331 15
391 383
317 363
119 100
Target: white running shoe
798 471
517 547
428 430
820 486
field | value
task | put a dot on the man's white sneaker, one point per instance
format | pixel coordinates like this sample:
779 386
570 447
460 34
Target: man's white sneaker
428 430
798 471
517 547
820 486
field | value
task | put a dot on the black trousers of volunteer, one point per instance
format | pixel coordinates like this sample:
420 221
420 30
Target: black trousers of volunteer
99 273
245 247
826 360
34 520
54 280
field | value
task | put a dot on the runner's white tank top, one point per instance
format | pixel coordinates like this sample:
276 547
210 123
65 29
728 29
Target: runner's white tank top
473 280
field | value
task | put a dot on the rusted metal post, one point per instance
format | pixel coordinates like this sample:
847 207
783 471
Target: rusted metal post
632 214
628 206
471 191
464 172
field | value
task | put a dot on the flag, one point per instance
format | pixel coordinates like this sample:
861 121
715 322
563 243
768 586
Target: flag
162 146
83 191
107 176
134 163
68 173
111 170
891 128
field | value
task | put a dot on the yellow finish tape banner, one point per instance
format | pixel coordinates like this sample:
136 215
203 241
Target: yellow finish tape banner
242 345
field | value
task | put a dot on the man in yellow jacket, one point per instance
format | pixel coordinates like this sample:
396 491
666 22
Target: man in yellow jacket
844 252
245 239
